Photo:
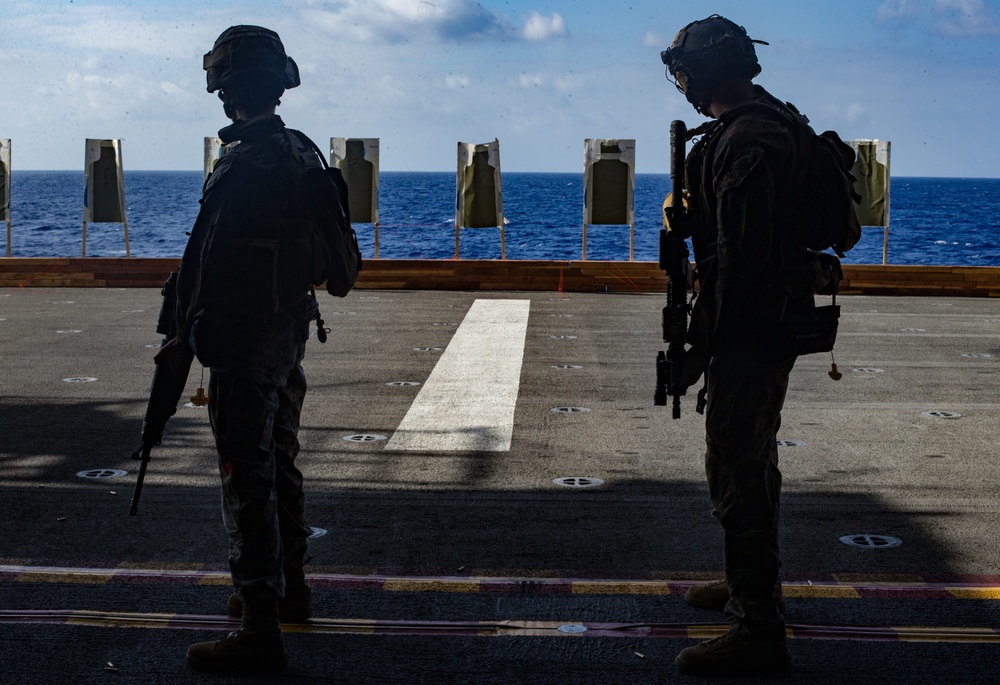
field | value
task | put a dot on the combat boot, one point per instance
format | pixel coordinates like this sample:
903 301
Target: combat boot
714 596
257 647
737 652
294 607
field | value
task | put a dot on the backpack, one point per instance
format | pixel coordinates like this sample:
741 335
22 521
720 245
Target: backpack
335 242
824 214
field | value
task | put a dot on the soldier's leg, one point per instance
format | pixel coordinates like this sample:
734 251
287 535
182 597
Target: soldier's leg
242 414
292 524
746 395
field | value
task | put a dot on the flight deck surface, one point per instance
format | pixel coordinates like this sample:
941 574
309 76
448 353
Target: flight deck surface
496 499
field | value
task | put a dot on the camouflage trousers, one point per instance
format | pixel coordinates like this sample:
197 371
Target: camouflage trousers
745 396
263 506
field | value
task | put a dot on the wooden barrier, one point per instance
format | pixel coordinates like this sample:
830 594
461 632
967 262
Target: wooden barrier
469 274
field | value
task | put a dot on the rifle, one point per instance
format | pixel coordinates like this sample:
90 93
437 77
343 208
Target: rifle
674 260
173 364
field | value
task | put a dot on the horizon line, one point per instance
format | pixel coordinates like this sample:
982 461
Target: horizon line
512 171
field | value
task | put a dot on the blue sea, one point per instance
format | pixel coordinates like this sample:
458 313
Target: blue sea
934 221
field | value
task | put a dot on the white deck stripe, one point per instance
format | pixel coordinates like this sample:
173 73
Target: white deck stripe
467 403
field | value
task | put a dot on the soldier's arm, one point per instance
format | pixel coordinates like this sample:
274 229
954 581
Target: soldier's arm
748 220
200 263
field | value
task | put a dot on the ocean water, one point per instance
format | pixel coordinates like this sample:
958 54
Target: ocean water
933 222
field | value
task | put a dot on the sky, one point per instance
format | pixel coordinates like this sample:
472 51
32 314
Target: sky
540 75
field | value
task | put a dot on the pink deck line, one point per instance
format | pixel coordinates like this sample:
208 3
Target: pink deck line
536 586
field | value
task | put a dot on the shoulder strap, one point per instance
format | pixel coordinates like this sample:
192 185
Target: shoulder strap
333 172
309 142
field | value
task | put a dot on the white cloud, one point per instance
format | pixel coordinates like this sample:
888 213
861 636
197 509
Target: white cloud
653 40
854 112
539 28
99 28
531 80
897 11
967 18
400 21
455 82
568 83
947 17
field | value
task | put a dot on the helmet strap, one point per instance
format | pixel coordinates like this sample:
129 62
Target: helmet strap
227 106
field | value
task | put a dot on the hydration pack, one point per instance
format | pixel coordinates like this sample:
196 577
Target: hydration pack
824 213
337 255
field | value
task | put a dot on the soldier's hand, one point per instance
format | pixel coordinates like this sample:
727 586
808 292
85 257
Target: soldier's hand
695 363
164 350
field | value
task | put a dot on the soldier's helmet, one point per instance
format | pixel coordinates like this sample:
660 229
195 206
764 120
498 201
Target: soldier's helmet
254 56
706 52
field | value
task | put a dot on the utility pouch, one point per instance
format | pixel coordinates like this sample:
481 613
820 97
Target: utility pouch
807 331
207 341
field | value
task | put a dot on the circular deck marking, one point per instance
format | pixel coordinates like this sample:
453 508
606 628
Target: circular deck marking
569 410
565 366
913 330
154 345
865 369
316 532
438 323
101 473
942 414
572 628
79 379
363 437
791 443
977 355
869 541
64 302
192 405
70 330
132 311
563 337
426 349
561 316
578 482
402 384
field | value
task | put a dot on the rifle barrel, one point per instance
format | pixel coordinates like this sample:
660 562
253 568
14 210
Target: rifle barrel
143 456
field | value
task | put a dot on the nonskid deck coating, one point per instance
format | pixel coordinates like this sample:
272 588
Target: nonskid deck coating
870 462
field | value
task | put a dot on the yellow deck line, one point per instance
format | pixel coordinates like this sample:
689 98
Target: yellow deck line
430 585
598 587
837 589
